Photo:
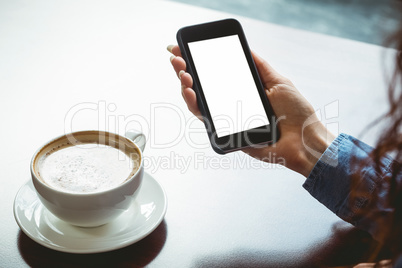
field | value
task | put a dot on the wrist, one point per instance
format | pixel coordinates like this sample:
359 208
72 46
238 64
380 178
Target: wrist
316 139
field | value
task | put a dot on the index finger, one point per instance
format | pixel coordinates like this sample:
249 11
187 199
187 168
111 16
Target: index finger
175 50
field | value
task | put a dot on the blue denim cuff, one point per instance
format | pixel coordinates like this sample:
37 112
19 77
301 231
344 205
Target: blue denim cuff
329 182
347 181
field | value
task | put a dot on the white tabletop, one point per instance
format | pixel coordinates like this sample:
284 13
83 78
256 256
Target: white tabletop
74 65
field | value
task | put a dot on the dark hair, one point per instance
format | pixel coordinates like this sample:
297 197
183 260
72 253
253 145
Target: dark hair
391 140
390 143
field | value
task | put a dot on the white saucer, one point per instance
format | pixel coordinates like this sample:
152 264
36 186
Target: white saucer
144 215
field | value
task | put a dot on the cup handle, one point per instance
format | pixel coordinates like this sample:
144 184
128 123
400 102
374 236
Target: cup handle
138 138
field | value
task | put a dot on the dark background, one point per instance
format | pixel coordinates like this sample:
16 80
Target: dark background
368 21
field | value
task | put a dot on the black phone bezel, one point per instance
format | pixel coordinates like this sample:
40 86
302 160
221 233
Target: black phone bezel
267 134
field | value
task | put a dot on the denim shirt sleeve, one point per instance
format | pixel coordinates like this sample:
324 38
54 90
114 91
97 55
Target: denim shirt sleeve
345 180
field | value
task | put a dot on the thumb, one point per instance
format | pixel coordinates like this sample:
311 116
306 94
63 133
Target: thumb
268 75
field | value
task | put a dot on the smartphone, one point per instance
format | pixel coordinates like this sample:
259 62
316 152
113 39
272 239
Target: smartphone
235 109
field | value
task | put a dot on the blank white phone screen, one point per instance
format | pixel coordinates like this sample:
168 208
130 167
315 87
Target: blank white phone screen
228 85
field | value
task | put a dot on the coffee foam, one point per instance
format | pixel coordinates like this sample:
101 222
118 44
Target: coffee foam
86 168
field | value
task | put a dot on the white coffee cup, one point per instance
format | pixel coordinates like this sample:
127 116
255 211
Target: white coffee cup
94 208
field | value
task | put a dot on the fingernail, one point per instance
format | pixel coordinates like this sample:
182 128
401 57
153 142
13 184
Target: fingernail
169 48
171 58
181 73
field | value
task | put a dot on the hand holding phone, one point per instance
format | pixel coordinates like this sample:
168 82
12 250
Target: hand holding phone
298 140
235 110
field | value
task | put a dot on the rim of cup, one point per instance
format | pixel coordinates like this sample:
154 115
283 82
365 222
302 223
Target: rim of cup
35 175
